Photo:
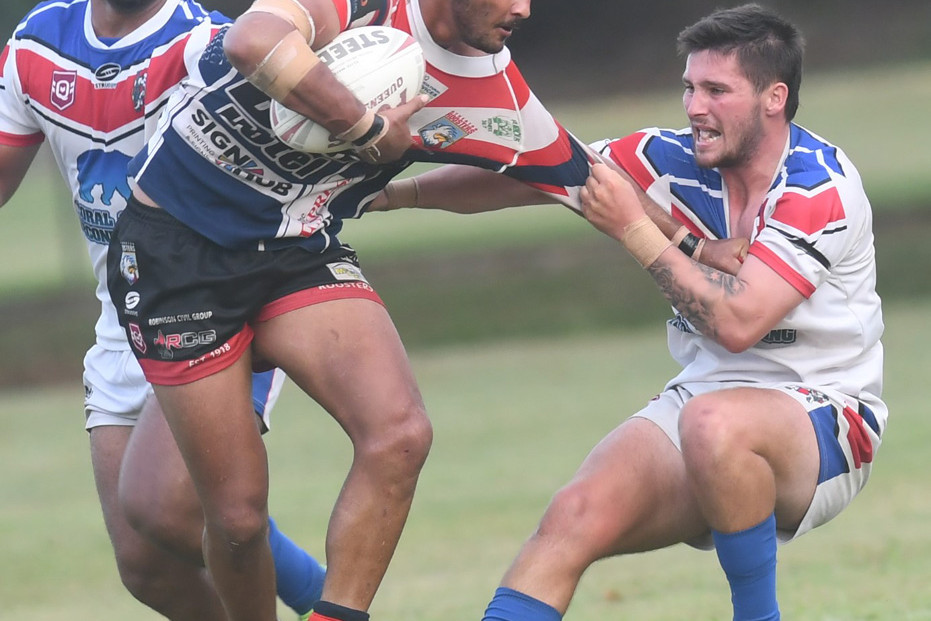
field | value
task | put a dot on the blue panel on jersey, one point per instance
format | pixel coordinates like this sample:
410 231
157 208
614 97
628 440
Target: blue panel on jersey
671 155
213 63
833 460
804 170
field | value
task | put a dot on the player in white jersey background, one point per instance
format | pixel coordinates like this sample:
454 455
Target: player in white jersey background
771 428
91 78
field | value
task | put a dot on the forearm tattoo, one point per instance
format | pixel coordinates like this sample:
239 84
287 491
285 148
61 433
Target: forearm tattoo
696 306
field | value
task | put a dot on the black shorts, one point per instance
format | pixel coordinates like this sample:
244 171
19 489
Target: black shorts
187 303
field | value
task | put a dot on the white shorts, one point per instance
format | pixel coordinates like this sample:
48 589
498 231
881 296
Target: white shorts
849 433
115 389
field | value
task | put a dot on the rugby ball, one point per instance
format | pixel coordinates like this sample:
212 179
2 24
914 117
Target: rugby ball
382 66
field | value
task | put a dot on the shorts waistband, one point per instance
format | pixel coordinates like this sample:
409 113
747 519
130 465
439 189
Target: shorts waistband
148 213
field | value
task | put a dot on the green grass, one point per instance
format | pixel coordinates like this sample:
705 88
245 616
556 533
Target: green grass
512 423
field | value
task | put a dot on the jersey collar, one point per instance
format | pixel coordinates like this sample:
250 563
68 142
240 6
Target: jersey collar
153 25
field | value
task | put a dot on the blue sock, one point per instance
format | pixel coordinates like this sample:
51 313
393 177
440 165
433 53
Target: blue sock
511 605
300 576
748 558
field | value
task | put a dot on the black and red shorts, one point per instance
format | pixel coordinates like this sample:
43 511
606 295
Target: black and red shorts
187 303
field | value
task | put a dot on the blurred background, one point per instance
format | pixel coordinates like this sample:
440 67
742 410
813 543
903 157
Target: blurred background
531 335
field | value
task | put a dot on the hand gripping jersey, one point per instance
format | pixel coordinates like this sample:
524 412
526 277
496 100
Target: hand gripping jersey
96 102
814 229
216 165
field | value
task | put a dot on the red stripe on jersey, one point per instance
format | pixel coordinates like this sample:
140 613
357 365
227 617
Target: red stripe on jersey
626 153
342 12
782 268
3 56
480 92
19 140
861 448
167 69
176 372
809 214
103 110
355 290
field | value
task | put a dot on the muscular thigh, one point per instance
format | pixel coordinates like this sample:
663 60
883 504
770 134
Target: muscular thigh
345 353
637 478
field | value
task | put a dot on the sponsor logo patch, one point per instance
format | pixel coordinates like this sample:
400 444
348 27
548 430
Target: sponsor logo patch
503 127
128 266
132 300
63 86
345 271
138 93
446 130
812 396
135 335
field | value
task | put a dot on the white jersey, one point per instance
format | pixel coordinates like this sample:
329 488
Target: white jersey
814 229
96 102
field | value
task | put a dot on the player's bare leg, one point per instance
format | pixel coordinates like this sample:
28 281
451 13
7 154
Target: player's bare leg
179 590
749 452
753 460
161 503
629 495
347 355
214 426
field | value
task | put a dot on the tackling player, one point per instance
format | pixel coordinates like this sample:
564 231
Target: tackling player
771 427
92 77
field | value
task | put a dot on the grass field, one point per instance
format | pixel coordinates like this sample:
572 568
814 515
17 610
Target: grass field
512 422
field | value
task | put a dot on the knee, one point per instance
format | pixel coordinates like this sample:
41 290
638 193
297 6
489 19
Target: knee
707 431
144 575
239 524
579 526
401 443
175 526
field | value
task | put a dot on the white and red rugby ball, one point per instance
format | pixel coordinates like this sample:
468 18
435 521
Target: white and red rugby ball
382 66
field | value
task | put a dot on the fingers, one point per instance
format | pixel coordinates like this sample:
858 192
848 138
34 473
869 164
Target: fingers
397 140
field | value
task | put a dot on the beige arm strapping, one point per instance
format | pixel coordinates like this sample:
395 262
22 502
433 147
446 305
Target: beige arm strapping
284 66
291 11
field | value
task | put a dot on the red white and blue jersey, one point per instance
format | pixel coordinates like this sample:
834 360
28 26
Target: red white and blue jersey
96 102
814 229
234 182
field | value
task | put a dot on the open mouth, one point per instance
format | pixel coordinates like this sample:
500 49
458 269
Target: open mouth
705 136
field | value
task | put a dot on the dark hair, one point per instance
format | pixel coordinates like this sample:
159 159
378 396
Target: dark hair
769 49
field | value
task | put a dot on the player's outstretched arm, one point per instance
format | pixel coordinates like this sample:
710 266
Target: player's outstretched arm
14 162
736 310
458 189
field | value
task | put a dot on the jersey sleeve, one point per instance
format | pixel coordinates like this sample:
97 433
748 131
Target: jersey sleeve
552 161
803 236
18 127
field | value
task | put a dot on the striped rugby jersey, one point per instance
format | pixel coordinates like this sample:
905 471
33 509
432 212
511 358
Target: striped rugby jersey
234 182
814 229
96 102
